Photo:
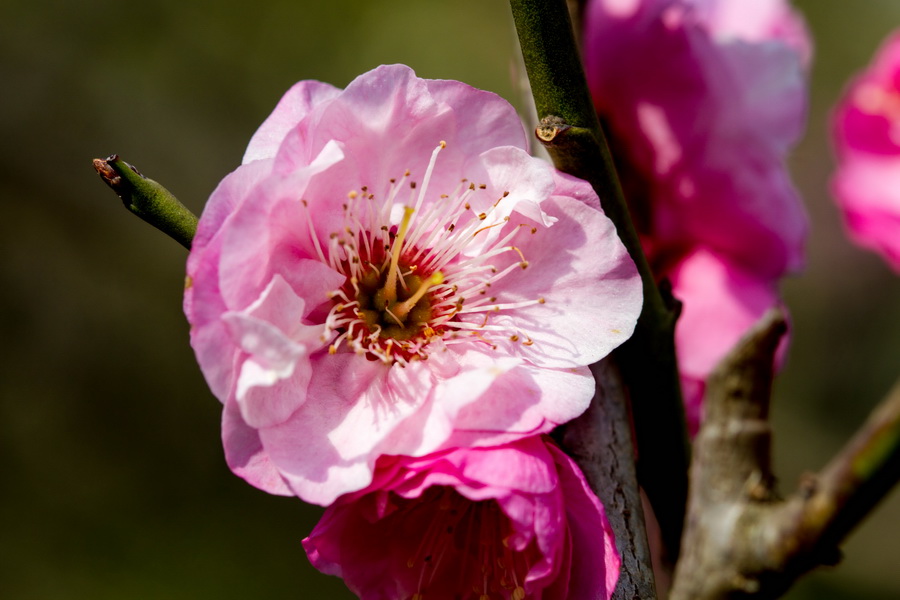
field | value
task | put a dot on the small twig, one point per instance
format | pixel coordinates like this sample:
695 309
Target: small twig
741 541
829 506
148 200
571 132
600 442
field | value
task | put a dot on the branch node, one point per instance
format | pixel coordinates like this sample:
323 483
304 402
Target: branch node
550 127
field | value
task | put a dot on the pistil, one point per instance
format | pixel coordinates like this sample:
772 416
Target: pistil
390 285
402 309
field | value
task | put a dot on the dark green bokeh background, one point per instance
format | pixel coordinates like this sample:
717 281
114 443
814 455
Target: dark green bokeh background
113 481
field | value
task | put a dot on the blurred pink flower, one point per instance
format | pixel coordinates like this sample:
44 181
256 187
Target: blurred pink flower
702 100
721 301
867 139
511 522
390 272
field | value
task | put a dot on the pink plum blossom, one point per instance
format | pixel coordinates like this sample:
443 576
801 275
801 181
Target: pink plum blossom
702 100
867 138
511 522
389 272
721 301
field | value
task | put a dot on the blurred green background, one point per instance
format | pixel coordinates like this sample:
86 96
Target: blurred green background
113 481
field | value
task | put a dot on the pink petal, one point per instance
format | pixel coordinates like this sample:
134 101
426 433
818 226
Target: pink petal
245 455
296 103
590 287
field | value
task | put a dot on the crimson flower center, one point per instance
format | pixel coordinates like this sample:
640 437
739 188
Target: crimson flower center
466 547
410 283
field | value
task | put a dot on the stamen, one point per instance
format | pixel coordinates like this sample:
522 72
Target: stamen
499 307
486 227
428 171
312 232
399 320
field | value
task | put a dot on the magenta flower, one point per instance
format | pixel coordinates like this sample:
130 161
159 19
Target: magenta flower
390 272
867 138
702 100
511 522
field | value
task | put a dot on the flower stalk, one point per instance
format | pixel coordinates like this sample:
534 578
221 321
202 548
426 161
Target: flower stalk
571 132
148 199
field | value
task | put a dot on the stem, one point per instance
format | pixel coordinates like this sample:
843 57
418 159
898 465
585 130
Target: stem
148 200
576 16
855 480
571 132
600 442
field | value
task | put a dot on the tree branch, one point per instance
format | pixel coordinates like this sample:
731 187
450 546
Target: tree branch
600 442
741 541
148 200
731 477
828 507
571 132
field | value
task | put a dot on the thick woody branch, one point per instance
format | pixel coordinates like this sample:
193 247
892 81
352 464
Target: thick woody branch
600 442
571 132
731 471
741 541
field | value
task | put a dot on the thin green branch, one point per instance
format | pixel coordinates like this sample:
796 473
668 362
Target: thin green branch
148 200
858 477
571 132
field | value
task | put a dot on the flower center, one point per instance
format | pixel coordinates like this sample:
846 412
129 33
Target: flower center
411 283
387 307
466 550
